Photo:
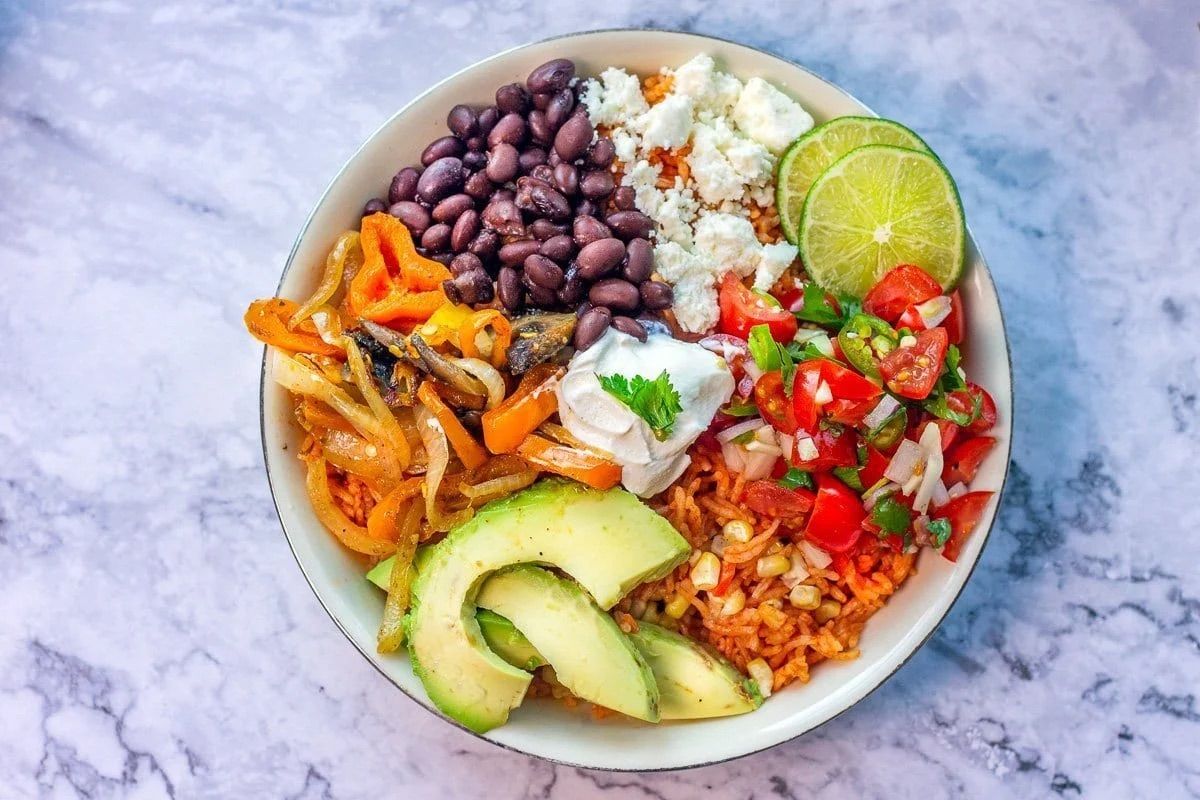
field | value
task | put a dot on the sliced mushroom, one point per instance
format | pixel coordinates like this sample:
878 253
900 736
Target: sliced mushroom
439 366
537 338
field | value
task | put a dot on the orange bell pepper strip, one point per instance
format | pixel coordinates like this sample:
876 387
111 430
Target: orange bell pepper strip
475 324
318 415
395 283
580 465
267 321
468 450
383 522
506 426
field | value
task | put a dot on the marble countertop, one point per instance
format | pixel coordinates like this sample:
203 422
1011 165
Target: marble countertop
156 160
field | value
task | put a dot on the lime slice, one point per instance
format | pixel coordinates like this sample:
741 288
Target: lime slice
814 152
877 207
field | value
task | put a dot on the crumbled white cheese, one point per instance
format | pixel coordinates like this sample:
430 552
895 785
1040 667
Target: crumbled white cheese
711 91
615 98
769 116
643 177
773 261
730 240
694 277
625 144
667 125
676 212
723 164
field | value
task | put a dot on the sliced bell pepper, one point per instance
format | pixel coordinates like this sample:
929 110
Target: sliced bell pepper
580 465
468 450
476 324
506 426
267 321
395 283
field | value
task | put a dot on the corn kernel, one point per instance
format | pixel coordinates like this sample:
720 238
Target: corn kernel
734 603
737 530
679 604
804 597
706 572
770 566
827 611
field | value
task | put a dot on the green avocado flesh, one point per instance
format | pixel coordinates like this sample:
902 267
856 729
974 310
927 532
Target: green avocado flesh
609 542
589 653
693 682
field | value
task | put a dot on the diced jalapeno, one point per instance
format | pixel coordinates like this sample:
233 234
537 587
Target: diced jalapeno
849 476
857 338
889 432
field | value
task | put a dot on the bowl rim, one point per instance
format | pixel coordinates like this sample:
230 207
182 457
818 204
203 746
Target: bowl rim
262 387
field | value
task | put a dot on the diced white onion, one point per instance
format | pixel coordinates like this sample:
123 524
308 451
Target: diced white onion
886 406
913 483
786 443
815 556
877 492
934 311
797 573
823 395
904 462
752 370
766 435
823 344
759 465
908 341
755 446
762 674
957 490
931 445
733 457
806 449
734 431
940 495
488 375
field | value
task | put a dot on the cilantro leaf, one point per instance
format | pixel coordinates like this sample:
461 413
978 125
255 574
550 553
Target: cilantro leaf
740 410
655 401
891 516
949 382
796 478
818 308
769 355
939 529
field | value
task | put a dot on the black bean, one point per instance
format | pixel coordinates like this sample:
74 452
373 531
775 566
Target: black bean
543 229
566 178
469 287
463 121
591 326
573 137
543 173
587 229
452 207
512 99
541 297
597 184
559 108
442 258
639 260
624 198
583 308
656 295
597 259
504 194
508 287
440 179
538 197
630 224
616 293
630 326
586 208
540 101
465 229
414 217
510 128
465 262
532 157
573 289
436 237
515 253
442 148
558 248
543 271
602 152
504 217
475 160
374 206
476 144
487 120
404 185
539 127
485 244
553 76
503 163
479 186
553 160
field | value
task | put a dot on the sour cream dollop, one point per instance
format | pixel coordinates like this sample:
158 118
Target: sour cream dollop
701 377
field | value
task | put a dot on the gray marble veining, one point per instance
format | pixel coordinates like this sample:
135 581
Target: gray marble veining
156 639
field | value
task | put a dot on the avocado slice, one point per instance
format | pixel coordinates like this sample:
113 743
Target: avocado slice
607 541
589 653
693 682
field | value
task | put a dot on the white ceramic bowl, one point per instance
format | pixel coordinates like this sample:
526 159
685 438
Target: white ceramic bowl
542 728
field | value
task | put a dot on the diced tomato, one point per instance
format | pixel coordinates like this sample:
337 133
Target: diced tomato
903 286
846 384
963 512
792 299
873 470
963 460
963 402
912 371
835 448
773 404
773 500
853 395
725 580
956 323
849 412
837 515
804 390
948 431
911 319
742 309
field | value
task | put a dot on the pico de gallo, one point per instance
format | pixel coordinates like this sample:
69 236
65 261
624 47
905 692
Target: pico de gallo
857 415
